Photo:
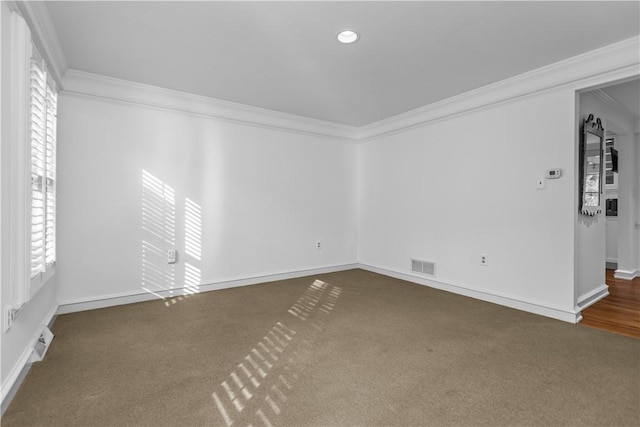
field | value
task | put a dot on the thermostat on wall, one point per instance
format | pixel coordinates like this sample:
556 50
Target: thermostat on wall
554 173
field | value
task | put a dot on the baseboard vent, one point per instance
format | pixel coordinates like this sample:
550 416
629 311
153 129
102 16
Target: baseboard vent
423 267
42 345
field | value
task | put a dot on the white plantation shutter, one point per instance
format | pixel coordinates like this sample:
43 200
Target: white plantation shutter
50 215
42 136
37 120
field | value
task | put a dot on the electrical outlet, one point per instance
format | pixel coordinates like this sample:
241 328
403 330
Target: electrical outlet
171 256
318 244
484 260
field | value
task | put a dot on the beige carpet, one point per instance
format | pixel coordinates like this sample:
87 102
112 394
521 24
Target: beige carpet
343 349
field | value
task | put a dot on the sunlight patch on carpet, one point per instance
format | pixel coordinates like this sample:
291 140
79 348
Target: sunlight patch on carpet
256 392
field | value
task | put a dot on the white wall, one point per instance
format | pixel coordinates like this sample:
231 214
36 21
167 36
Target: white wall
628 205
266 196
453 189
611 233
16 343
611 222
636 224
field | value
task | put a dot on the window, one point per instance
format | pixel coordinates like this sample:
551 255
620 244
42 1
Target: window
611 164
29 101
42 139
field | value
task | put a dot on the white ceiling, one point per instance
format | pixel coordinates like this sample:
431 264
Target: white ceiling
283 56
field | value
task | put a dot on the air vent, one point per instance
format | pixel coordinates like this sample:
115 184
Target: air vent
423 267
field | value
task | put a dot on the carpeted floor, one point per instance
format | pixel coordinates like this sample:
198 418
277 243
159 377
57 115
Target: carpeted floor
344 349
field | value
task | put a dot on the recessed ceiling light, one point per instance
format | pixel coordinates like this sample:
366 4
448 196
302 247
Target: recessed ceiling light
347 36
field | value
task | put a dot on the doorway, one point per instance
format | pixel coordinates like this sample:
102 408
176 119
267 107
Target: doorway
618 227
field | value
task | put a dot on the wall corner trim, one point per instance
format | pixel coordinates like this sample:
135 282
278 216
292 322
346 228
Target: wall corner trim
618 60
22 366
95 85
570 316
45 37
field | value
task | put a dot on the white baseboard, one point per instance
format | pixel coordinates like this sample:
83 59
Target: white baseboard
571 316
592 297
133 297
626 274
20 369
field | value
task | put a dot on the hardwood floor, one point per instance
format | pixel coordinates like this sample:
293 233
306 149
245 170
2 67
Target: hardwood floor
620 311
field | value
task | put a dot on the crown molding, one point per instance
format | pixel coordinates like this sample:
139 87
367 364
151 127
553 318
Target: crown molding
89 84
604 96
45 37
618 60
